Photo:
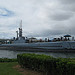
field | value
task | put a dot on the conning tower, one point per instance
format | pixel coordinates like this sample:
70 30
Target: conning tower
20 38
20 29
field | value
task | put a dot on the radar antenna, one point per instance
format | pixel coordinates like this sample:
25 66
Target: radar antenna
21 24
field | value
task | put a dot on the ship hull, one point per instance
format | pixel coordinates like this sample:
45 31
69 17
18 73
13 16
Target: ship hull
68 46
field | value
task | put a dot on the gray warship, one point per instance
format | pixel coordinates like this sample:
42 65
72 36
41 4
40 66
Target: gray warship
52 46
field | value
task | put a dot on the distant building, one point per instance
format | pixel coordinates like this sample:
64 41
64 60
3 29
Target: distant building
32 39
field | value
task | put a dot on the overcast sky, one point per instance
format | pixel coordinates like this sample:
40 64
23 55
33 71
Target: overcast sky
40 18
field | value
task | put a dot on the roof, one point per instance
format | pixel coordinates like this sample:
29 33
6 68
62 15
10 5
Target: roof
67 35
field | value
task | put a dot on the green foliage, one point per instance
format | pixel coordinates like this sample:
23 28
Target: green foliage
7 60
47 64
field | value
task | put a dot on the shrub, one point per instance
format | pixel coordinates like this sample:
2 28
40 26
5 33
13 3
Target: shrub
47 64
7 60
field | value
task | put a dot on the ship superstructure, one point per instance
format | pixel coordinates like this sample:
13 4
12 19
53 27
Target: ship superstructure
20 30
20 38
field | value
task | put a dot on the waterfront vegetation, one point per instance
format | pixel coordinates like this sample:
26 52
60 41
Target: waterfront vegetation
11 67
47 64
7 60
35 64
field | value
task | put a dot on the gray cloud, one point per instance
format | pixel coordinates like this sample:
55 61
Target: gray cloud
40 17
61 15
67 1
68 5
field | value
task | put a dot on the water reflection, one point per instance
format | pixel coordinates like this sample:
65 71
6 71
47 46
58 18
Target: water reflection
13 54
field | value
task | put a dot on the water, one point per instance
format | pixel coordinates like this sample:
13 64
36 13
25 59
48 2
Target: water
13 54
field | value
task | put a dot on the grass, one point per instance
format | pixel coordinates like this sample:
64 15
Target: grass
13 68
6 68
